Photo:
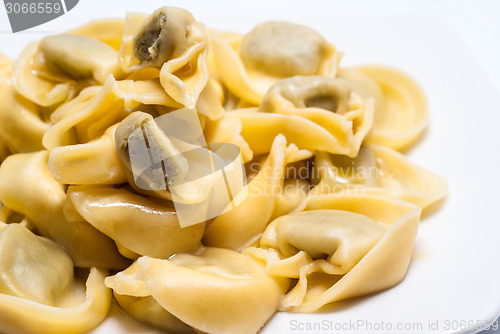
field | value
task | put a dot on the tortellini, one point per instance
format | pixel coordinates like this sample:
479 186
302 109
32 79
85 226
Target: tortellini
55 69
248 65
134 298
326 101
172 41
220 177
38 290
284 49
212 291
80 57
34 81
21 125
378 170
92 163
26 273
345 237
401 112
339 248
87 117
19 315
263 190
116 213
28 187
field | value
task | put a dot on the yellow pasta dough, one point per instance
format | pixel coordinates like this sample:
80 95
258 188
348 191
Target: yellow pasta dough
401 113
18 315
109 31
351 254
213 290
115 212
250 64
21 127
327 102
134 298
92 163
173 41
26 273
378 170
262 192
28 187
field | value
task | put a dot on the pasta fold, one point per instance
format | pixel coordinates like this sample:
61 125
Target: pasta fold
326 101
136 223
130 291
173 41
79 57
21 126
378 170
87 117
109 31
33 80
401 112
352 254
26 273
236 228
92 163
28 187
258 131
213 290
248 65
18 315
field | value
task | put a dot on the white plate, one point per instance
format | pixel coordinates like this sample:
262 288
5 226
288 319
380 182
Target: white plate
453 278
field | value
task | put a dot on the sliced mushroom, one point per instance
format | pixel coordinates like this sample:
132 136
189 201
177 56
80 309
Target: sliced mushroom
80 57
162 36
284 49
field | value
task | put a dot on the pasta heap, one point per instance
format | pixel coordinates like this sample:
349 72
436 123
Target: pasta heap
331 210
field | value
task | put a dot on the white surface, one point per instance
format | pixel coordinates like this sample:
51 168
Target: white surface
447 46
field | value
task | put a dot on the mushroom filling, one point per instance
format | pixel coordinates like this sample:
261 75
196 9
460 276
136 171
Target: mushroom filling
160 36
151 40
283 49
326 93
327 102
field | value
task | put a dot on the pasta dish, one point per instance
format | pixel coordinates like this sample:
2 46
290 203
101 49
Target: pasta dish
203 180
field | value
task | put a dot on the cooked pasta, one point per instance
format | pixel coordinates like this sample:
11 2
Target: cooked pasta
115 133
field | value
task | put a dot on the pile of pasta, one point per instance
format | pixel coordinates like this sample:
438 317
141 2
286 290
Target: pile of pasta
332 206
